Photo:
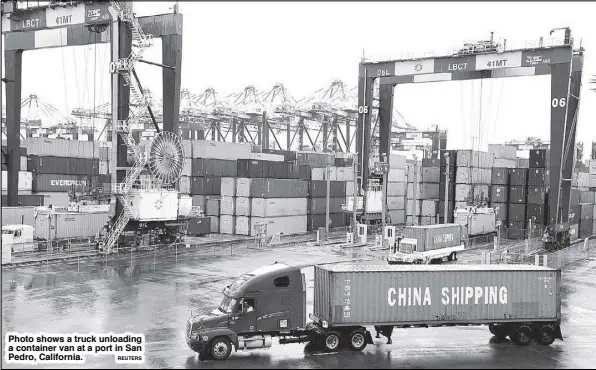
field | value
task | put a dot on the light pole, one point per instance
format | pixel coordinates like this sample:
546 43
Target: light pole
384 166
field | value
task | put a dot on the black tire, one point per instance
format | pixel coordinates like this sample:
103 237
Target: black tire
205 354
357 340
454 258
498 331
522 336
332 341
545 335
220 348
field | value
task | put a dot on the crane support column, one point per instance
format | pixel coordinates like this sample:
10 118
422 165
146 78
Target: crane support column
365 89
13 66
171 47
385 110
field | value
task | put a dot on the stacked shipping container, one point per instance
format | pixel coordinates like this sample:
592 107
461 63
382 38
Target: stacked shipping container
447 178
423 192
396 189
473 177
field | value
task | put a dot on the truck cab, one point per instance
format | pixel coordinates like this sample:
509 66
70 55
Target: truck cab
15 239
259 305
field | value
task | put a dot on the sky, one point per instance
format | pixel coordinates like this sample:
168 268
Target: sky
307 45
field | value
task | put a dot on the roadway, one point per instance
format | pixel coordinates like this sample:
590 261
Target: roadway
139 296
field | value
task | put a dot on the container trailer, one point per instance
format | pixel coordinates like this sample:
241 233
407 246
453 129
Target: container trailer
426 244
522 302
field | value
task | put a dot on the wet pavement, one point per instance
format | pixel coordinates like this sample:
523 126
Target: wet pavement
155 299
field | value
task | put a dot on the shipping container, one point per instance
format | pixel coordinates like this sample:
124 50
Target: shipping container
450 192
395 294
516 230
220 150
280 188
430 175
206 186
471 193
517 213
214 224
423 191
187 146
285 225
314 159
414 173
536 212
431 162
536 195
399 175
58 225
184 184
187 168
502 151
394 203
539 177
343 162
214 167
443 175
289 155
24 182
319 205
228 186
500 176
473 175
212 206
347 174
499 194
243 186
60 183
504 163
243 206
586 228
452 154
501 210
267 157
199 201
198 226
434 236
242 225
22 215
586 196
517 194
319 189
25 199
586 211
394 189
227 224
470 158
574 197
227 205
250 168
538 158
574 232
61 148
55 199
479 223
154 205
396 217
318 174
450 210
397 161
575 214
429 208
316 221
583 179
276 207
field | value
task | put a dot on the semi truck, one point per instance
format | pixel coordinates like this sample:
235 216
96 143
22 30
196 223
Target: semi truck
425 244
522 302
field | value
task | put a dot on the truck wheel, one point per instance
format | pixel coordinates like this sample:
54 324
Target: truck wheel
522 336
546 335
221 348
454 256
498 331
332 341
357 340
205 354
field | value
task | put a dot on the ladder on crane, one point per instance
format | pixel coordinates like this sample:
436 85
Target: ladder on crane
125 67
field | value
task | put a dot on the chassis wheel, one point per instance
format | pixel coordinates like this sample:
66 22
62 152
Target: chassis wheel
498 331
522 335
220 348
545 335
332 341
357 340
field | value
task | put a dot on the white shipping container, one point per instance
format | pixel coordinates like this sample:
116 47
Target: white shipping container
409 294
266 157
429 208
154 205
345 174
49 225
55 199
472 175
187 167
25 182
471 158
414 173
394 203
228 186
504 163
184 184
226 223
286 225
275 207
184 205
61 148
104 167
476 223
395 189
397 161
423 191
317 174
187 145
349 188
242 206
374 201
583 180
94 208
426 220
17 215
412 207
593 181
332 173
226 205
411 220
242 225
243 187
23 163
220 150
398 217
396 175
502 151
465 193
591 163
214 224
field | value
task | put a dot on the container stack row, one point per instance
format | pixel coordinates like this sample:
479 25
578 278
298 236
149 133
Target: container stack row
397 189
472 178
422 205
447 185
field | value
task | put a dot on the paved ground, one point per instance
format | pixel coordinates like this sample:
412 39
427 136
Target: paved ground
95 296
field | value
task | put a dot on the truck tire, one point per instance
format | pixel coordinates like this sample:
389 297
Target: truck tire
357 340
205 354
220 348
498 331
545 335
522 335
332 341
454 256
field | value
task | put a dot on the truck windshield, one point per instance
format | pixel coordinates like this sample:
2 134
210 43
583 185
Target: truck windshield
7 232
227 304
